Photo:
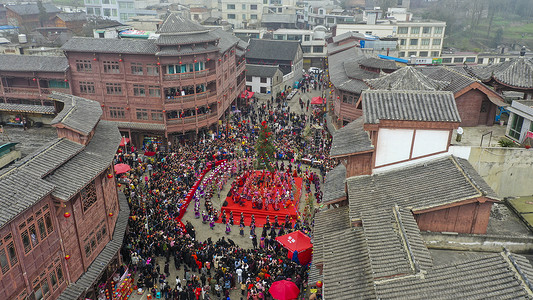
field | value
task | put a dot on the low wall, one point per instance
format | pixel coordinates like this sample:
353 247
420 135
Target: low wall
475 242
8 158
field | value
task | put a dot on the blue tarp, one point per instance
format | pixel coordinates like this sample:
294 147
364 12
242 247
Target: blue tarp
393 58
7 27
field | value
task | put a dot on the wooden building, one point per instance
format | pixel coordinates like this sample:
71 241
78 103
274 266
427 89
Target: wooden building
27 16
72 21
60 211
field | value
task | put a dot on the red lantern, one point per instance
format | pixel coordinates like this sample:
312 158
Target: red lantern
180 62
102 105
219 59
119 185
158 63
67 214
94 59
67 257
195 61
120 60
34 79
66 80
208 59
319 284
164 111
109 175
110 214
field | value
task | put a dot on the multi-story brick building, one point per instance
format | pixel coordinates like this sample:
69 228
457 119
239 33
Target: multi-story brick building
180 83
60 211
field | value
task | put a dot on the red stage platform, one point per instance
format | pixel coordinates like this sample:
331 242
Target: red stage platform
261 214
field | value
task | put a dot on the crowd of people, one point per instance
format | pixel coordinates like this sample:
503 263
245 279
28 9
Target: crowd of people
157 188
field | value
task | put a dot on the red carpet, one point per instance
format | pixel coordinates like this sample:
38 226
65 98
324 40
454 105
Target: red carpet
261 214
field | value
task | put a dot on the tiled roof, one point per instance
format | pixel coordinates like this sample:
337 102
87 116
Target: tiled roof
125 46
395 247
178 24
31 63
328 222
406 78
32 9
350 139
273 49
379 63
100 263
185 50
337 70
78 113
347 35
228 40
334 48
72 176
279 18
426 185
334 187
141 126
40 109
71 17
428 106
352 69
517 72
180 39
457 77
261 71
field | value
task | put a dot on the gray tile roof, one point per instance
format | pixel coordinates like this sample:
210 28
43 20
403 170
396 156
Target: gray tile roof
373 62
337 70
334 48
417 187
279 18
185 50
30 63
125 46
32 9
350 139
457 77
228 40
327 222
72 17
141 126
490 277
406 78
78 113
352 69
516 73
428 106
178 24
261 71
395 246
273 49
334 187
180 39
72 176
40 109
100 263
347 35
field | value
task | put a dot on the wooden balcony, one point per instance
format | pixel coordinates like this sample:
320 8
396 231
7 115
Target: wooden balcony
190 76
191 123
189 101
31 92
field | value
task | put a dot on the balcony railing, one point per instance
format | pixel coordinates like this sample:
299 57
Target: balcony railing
191 97
191 119
181 76
33 91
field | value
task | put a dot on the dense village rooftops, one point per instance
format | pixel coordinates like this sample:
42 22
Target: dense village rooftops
28 63
516 73
334 187
78 114
422 186
338 74
124 46
378 63
72 17
406 78
261 71
433 106
272 49
32 9
350 139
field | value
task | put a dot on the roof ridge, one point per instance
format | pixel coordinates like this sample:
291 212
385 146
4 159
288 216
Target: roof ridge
508 257
403 235
463 75
467 176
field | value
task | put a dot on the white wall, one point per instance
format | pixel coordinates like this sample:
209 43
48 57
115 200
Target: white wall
256 84
393 145
429 142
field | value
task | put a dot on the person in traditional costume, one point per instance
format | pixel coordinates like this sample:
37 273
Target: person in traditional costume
228 228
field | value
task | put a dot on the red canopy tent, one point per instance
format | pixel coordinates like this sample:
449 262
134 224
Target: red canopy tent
299 243
122 168
317 100
247 94
124 141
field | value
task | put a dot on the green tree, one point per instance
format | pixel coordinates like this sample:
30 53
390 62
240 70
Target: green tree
264 148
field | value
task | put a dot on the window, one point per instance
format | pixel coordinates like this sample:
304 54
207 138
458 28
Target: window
413 42
426 30
307 38
411 53
157 115
84 65
436 42
502 59
318 49
117 113
263 90
401 54
424 42
113 88
152 69
138 90
446 60
423 54
435 53
244 16
458 60
368 32
137 68
470 59
88 196
330 20
114 12
87 87
154 91
244 7
142 114
111 67
125 5
8 255
253 17
263 80
438 30
415 30
480 61
402 30
107 12
306 49
230 6
231 16
248 78
516 127
403 42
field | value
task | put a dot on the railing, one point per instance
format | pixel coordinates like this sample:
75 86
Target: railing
288 76
191 119
180 76
191 97
26 91
50 90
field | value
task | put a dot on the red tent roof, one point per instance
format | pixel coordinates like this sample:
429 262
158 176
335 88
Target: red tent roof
317 100
295 241
247 94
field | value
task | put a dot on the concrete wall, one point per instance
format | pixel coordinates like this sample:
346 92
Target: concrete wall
508 171
473 242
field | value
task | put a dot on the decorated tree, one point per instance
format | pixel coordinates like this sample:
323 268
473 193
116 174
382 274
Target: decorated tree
264 148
